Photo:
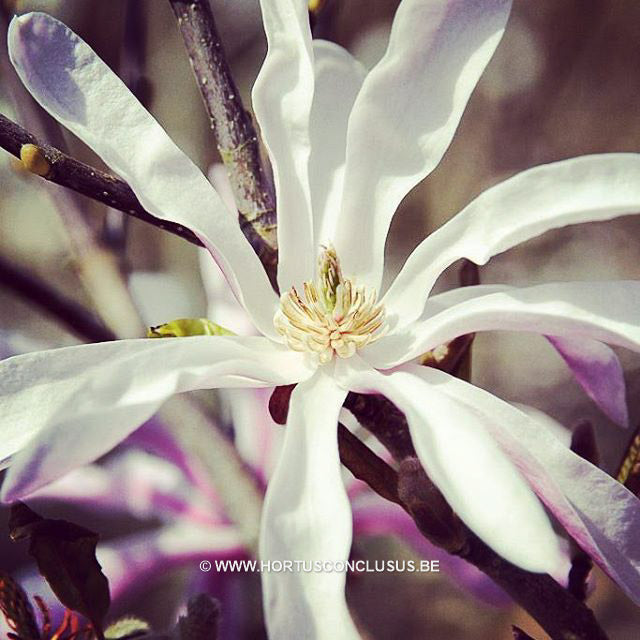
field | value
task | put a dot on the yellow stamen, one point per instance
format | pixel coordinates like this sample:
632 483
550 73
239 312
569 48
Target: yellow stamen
333 317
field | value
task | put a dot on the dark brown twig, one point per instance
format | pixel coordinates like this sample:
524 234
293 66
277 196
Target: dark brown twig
72 315
557 611
365 465
519 634
84 179
233 128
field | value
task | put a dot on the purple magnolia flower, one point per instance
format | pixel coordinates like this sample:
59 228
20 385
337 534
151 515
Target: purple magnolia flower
345 147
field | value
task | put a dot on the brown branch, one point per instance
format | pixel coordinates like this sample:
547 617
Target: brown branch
72 315
559 613
233 128
365 465
86 180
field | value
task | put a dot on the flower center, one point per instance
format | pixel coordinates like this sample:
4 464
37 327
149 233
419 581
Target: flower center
332 317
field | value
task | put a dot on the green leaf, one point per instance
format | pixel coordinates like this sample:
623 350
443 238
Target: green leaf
127 628
183 327
66 557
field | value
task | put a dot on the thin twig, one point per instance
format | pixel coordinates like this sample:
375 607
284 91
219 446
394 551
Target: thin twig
86 180
557 611
233 128
72 315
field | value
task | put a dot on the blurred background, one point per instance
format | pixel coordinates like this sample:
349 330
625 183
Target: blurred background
564 82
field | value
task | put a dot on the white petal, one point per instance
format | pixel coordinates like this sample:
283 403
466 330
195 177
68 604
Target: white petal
603 311
307 517
282 97
477 479
78 89
222 307
338 78
598 512
585 189
406 114
66 407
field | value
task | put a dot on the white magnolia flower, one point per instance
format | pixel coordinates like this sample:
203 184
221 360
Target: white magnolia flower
345 147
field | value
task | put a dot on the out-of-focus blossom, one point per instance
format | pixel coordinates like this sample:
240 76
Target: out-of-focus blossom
345 147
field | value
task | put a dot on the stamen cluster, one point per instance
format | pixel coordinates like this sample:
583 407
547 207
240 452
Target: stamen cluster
332 317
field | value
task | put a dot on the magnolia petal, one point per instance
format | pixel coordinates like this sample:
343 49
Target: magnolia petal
66 407
222 306
597 511
599 372
282 97
78 89
585 189
480 483
603 311
307 517
406 115
338 78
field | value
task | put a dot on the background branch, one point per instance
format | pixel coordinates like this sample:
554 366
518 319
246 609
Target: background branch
76 318
86 180
233 128
131 72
